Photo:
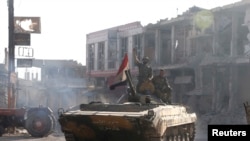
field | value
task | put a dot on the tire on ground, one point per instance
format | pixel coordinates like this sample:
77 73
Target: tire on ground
39 124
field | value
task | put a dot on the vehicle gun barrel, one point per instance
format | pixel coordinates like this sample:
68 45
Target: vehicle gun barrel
131 86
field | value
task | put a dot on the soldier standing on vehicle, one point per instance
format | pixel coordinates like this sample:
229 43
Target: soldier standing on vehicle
145 76
162 88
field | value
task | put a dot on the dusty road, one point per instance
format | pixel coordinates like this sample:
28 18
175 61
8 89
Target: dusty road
52 138
60 137
27 138
201 135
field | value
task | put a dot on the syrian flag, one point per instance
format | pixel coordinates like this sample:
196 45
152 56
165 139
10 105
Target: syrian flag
120 78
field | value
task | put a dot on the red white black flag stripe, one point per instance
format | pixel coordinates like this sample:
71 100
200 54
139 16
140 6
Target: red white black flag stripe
120 78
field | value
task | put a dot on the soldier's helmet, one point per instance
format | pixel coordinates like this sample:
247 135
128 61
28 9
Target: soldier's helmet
145 59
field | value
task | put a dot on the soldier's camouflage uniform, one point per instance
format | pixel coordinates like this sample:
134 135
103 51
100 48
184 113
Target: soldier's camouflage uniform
162 88
144 83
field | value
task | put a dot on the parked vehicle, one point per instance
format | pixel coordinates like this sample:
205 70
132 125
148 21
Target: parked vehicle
38 121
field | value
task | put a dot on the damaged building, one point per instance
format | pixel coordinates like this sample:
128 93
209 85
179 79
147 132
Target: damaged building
204 51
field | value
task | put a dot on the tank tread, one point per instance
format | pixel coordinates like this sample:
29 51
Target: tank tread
192 132
69 137
181 133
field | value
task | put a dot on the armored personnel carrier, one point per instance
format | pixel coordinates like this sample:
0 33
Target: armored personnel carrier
142 118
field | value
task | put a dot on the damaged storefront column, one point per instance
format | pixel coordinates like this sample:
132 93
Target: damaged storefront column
214 92
233 93
172 43
158 46
234 43
233 69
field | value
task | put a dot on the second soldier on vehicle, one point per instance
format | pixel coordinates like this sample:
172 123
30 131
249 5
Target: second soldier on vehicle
162 88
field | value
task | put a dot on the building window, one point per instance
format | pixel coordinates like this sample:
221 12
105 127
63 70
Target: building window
101 47
137 41
111 64
112 54
193 47
137 44
124 46
91 49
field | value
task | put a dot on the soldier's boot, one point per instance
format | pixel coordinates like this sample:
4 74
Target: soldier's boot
167 98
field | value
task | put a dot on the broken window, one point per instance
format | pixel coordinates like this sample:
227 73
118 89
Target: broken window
224 41
201 44
91 48
224 31
112 54
165 48
101 47
137 44
179 44
207 79
150 40
124 46
192 47
243 41
149 47
184 79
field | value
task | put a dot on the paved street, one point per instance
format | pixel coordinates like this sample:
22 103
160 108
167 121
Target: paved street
22 135
26 137
60 137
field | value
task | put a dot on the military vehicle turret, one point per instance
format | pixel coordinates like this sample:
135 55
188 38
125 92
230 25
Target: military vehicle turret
142 118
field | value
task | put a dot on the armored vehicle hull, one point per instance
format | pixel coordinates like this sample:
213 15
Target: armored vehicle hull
128 122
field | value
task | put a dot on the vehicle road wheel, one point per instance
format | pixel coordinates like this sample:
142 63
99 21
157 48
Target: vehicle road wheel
54 124
191 131
39 124
69 136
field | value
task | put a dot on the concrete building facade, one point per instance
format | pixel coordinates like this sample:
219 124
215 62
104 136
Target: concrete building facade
204 51
106 48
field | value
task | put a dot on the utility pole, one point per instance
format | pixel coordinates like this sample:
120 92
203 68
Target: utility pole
11 56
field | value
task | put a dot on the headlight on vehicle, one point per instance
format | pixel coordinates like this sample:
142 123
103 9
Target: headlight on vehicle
151 113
